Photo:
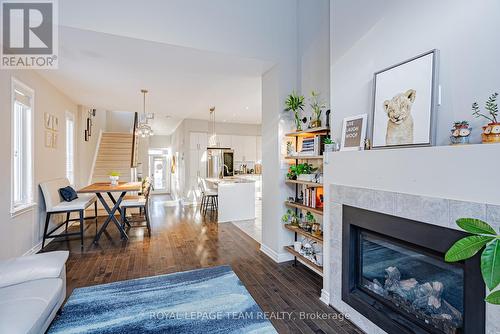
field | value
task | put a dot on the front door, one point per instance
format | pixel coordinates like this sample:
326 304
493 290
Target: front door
160 174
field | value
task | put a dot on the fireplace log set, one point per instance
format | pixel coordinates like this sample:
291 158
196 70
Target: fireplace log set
423 301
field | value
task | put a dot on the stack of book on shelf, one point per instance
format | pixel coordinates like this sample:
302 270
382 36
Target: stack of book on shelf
312 146
312 197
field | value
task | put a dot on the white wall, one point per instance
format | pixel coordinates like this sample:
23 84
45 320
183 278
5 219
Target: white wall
303 68
87 149
21 233
119 121
160 141
465 33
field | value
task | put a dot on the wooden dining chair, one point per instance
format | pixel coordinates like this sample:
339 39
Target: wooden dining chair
141 203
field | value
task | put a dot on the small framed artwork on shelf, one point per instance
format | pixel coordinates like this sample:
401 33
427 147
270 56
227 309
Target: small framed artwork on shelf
353 133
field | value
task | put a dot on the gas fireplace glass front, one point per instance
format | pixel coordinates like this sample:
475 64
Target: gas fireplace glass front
421 285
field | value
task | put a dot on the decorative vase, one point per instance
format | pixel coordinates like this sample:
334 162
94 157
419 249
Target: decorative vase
316 123
114 180
297 121
491 133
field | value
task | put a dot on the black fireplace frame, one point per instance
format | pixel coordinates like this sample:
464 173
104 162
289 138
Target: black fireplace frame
437 240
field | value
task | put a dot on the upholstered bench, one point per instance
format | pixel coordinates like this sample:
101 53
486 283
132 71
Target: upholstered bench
54 204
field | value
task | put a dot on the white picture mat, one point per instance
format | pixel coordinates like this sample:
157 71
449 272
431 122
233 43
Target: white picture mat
417 75
363 133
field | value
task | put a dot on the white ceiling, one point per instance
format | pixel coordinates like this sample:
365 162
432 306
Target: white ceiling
190 55
107 72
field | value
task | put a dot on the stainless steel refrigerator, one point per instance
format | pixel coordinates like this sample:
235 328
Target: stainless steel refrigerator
220 162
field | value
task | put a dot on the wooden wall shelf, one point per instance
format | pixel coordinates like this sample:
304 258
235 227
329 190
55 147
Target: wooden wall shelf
318 211
305 157
309 132
306 234
306 183
305 260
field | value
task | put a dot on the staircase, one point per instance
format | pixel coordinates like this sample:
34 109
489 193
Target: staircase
114 155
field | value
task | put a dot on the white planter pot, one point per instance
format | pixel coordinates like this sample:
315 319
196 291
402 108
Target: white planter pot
306 177
329 147
114 180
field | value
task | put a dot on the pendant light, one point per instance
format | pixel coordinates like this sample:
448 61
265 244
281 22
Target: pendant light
144 129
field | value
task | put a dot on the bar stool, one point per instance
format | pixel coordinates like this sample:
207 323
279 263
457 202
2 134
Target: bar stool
209 199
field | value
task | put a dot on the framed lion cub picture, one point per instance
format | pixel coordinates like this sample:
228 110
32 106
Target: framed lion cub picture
404 103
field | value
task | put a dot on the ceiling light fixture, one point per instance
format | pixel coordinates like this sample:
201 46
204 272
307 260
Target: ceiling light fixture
144 129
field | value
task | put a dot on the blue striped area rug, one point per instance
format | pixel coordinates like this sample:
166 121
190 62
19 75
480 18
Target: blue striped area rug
209 300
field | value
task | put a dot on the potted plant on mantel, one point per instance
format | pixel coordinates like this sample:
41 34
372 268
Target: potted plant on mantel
317 106
491 131
295 103
302 172
483 236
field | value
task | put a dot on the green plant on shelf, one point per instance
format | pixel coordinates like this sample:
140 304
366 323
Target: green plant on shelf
328 141
290 217
299 169
114 174
317 105
483 236
295 103
310 218
491 107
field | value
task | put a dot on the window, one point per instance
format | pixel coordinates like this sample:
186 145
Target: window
70 148
22 147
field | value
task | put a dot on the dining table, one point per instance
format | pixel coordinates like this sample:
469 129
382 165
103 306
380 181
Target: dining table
101 188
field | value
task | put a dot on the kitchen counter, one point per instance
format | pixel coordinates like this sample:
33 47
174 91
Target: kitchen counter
236 198
230 179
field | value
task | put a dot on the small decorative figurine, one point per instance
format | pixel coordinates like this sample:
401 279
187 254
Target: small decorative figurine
460 133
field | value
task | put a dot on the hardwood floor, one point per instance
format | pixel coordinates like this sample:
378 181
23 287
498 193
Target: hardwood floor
182 240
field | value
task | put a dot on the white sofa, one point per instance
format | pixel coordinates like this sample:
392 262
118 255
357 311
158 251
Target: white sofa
32 289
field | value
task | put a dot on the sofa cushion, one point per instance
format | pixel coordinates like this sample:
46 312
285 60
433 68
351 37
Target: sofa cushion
32 267
24 308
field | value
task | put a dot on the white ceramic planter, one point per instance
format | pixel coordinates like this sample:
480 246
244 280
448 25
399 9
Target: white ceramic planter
306 177
114 180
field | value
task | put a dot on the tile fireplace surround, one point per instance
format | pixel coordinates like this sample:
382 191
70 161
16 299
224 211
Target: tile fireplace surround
436 211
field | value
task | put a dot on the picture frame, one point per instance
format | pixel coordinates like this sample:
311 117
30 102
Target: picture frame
47 120
55 123
49 139
354 133
404 104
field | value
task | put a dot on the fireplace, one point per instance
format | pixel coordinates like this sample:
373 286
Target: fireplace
394 273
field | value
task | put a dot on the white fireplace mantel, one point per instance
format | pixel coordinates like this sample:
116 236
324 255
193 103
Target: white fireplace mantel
434 185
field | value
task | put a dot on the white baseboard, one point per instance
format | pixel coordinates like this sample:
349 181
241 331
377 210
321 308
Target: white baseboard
38 247
276 257
325 297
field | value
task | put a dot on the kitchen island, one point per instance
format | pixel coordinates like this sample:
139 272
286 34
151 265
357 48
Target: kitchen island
236 198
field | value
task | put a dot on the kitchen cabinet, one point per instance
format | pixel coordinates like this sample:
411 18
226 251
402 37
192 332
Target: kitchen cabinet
238 146
224 141
198 141
249 148
245 148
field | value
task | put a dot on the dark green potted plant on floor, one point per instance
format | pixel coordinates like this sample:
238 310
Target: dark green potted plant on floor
483 236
